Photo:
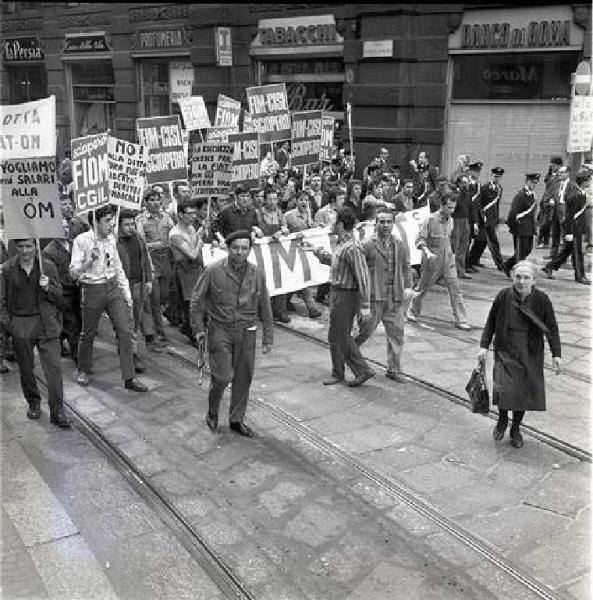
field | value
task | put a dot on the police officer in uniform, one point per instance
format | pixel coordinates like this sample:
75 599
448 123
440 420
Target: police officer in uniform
489 204
521 222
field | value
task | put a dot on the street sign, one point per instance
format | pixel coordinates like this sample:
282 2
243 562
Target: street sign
582 79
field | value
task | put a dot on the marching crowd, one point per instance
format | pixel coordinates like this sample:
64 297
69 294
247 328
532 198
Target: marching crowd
145 269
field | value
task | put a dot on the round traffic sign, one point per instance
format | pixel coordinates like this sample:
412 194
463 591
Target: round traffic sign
582 79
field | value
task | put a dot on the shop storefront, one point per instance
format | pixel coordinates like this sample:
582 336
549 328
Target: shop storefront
163 69
90 82
23 60
509 89
306 53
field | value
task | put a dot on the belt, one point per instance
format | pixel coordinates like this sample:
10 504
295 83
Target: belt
101 282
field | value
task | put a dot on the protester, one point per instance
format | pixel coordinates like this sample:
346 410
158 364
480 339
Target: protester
519 318
434 198
521 222
96 265
231 293
315 193
238 215
388 261
350 295
404 201
137 266
434 240
574 230
186 245
353 198
30 301
423 188
154 225
59 251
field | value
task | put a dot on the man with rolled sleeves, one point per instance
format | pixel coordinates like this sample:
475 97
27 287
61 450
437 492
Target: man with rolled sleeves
30 301
574 230
230 293
388 260
488 207
521 222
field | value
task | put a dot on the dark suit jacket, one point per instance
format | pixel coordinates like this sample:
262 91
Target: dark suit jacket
522 225
576 201
50 301
145 262
56 252
378 261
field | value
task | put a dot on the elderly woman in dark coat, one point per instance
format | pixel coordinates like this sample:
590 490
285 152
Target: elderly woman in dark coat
519 318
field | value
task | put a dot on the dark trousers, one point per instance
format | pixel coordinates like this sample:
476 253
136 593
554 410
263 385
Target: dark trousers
72 322
503 417
486 237
231 353
158 297
279 304
97 298
344 304
28 333
460 238
557 227
545 218
323 291
523 245
574 249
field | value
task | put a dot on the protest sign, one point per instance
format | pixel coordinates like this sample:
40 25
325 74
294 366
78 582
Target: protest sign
228 111
245 158
306 138
247 123
268 107
162 136
220 134
127 173
580 127
90 172
327 136
211 168
181 80
28 174
194 113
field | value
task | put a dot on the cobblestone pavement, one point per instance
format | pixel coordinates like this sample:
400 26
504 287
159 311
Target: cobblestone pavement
310 508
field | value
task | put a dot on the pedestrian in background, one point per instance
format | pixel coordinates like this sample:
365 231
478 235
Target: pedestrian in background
230 293
519 318
30 302
547 202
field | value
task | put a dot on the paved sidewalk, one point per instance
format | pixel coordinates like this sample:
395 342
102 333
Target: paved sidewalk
72 527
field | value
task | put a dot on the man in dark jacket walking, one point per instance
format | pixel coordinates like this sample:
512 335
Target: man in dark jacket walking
30 297
521 222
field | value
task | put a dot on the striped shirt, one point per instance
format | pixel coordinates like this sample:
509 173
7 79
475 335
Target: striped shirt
349 269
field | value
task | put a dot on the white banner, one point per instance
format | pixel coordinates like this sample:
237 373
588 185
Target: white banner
580 130
289 267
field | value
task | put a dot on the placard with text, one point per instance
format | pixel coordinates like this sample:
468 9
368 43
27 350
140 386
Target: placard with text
194 113
228 111
162 136
245 158
127 173
306 137
90 172
268 107
211 168
327 136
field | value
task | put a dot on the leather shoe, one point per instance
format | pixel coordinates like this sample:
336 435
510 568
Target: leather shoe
396 377
60 419
135 385
212 422
410 316
283 318
358 381
498 431
241 429
82 378
464 276
463 325
34 411
472 269
584 281
516 438
332 381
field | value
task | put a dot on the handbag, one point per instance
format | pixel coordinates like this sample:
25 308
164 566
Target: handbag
478 391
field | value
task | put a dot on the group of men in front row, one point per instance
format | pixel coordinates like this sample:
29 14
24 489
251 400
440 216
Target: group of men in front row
372 280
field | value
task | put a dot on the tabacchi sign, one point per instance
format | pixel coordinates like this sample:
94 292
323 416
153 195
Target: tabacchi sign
317 30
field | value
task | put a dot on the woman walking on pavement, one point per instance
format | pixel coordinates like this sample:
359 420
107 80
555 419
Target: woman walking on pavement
519 318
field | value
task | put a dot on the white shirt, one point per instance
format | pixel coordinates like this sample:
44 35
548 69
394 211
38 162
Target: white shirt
562 191
107 266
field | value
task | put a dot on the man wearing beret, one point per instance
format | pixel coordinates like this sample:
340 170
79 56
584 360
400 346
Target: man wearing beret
521 222
230 293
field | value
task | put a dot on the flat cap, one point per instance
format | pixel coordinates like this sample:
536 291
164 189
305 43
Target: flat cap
240 234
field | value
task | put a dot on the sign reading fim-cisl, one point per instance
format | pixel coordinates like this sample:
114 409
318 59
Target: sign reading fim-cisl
28 177
166 159
268 107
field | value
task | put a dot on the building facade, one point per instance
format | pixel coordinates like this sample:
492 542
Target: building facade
442 78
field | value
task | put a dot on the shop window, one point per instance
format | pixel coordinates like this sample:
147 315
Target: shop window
155 89
519 76
93 97
27 83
